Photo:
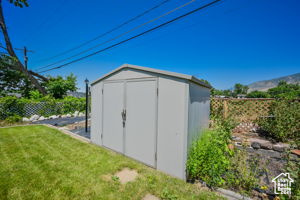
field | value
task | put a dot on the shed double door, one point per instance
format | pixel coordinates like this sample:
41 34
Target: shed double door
129 118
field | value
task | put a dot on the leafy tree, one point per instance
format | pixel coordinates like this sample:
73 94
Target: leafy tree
285 90
258 94
240 89
58 86
32 76
12 81
226 93
19 3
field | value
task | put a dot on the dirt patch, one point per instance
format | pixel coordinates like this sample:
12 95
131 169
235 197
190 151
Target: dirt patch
106 177
150 197
126 175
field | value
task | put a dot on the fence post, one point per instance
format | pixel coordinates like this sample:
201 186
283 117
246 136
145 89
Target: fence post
225 109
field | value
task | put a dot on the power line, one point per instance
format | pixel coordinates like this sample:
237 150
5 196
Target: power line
118 36
107 32
136 36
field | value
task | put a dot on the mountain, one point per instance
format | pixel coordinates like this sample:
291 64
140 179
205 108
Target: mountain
267 84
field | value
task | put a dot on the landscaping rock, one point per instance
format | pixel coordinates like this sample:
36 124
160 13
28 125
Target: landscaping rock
64 116
231 195
280 147
76 113
42 118
81 114
266 145
25 119
69 115
34 117
255 145
53 117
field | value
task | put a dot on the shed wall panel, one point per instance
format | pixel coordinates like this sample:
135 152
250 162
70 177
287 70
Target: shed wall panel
171 126
199 110
96 112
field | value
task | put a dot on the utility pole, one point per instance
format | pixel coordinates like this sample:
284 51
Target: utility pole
25 50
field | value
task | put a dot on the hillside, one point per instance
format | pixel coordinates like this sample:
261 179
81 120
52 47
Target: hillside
267 84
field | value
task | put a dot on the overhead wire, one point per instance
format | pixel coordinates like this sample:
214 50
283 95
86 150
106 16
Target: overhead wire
107 32
133 37
118 36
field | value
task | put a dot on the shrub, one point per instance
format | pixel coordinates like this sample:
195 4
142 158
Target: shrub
209 156
10 106
243 171
72 104
13 119
45 106
283 122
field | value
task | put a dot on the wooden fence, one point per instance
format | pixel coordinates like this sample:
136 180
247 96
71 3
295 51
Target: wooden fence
245 111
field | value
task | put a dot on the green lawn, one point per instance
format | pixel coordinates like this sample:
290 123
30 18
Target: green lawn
37 162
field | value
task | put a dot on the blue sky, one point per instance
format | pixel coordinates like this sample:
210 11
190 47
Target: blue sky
234 41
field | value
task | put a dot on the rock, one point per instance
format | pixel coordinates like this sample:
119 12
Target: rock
64 116
255 145
266 145
25 119
53 117
269 153
42 118
296 151
280 147
34 117
69 115
76 113
81 114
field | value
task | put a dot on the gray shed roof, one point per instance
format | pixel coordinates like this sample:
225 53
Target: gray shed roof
157 71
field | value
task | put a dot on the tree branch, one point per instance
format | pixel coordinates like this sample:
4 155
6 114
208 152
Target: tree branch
11 52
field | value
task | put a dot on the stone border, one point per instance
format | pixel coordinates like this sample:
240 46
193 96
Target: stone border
73 135
231 195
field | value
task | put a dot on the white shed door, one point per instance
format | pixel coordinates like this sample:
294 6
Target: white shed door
113 104
140 133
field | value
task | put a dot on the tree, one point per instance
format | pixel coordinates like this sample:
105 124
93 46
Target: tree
10 50
58 86
258 94
285 90
12 81
240 89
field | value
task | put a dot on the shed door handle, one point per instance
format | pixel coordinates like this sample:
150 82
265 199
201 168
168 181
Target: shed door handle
123 114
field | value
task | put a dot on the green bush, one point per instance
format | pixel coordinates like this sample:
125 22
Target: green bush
282 124
10 105
13 119
209 156
243 172
72 104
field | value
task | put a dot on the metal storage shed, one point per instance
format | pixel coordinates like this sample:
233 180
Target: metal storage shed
149 115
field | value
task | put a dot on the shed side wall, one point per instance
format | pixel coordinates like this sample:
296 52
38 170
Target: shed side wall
171 126
96 112
199 111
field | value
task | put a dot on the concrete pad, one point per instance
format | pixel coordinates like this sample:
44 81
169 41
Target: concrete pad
126 175
150 197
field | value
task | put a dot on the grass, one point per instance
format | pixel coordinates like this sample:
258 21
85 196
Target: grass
37 162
